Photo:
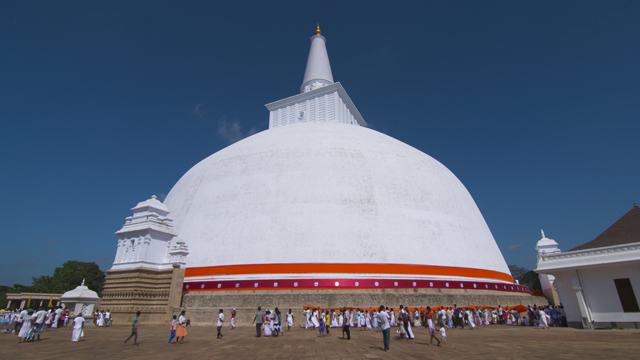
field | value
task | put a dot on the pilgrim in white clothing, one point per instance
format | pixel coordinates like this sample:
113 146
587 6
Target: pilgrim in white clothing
314 319
307 318
26 327
470 319
334 319
544 320
78 325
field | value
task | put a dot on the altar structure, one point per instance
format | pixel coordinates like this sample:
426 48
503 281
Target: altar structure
81 301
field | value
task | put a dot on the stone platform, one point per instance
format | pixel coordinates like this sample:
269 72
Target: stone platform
202 307
153 292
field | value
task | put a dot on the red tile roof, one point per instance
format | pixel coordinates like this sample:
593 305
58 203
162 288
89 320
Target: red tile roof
624 231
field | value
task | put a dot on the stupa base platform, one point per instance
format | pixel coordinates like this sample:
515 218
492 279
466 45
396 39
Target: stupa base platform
202 307
155 293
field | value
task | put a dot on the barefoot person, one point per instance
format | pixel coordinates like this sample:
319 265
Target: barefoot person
233 319
220 323
431 326
182 330
347 323
289 320
383 319
173 328
78 328
134 330
443 334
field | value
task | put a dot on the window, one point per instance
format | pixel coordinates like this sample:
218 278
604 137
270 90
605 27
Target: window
627 297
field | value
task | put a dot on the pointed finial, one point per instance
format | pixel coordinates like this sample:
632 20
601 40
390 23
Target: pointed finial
82 283
318 32
154 197
542 231
634 203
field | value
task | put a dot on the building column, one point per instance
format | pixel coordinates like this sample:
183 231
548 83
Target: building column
22 304
9 304
585 312
175 291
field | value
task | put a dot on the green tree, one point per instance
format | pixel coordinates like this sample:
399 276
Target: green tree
46 284
532 280
71 274
517 272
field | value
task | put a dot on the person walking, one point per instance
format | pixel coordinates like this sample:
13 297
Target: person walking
182 329
347 323
173 328
258 321
289 320
383 319
78 328
220 323
233 319
27 323
134 330
431 326
39 317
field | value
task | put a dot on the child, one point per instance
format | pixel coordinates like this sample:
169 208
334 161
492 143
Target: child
321 327
443 333
173 328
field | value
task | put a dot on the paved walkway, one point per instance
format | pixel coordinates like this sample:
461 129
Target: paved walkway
487 342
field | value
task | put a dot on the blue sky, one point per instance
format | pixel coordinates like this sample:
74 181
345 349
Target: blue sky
535 106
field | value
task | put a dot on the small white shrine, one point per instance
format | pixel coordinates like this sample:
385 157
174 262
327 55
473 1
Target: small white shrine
148 240
81 300
546 246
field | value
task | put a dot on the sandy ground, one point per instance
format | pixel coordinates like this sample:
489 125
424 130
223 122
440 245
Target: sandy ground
486 342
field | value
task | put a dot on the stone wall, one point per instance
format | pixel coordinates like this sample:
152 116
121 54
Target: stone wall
155 293
202 307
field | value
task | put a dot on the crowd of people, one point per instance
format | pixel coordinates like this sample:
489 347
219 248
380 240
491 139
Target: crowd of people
28 324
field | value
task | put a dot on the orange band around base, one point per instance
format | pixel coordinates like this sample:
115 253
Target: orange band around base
332 268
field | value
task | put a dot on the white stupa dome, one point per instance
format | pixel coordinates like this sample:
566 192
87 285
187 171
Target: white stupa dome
320 201
328 193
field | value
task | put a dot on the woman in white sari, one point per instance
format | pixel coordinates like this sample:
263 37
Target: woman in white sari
27 322
78 326
314 319
367 319
266 324
486 317
340 320
100 320
416 318
470 319
334 319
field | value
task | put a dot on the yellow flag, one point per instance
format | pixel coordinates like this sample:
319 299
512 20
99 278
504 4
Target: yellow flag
50 302
29 302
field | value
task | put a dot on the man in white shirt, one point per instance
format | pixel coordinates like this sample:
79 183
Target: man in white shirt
56 320
107 318
220 323
383 319
347 323
39 323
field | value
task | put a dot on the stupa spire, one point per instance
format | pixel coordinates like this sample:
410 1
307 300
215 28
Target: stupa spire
318 72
